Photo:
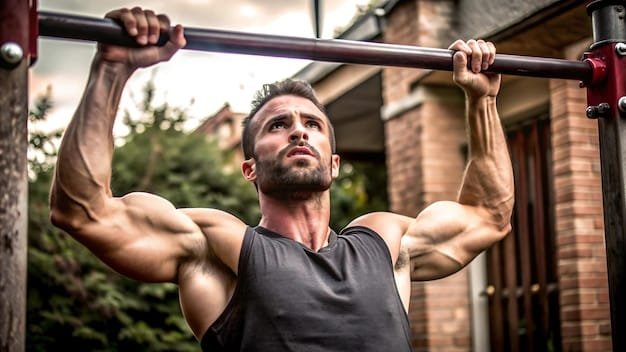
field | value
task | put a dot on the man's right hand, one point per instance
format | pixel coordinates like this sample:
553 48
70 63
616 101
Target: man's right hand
145 26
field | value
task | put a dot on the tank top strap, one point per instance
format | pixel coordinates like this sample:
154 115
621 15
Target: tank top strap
211 340
375 236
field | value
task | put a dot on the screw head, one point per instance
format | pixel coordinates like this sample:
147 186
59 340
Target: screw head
620 48
11 53
592 112
621 104
597 111
604 109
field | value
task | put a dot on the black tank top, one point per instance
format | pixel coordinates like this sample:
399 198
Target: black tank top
290 298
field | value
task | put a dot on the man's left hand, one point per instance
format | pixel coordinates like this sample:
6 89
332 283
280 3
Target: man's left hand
473 80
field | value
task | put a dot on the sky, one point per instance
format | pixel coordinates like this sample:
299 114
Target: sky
209 80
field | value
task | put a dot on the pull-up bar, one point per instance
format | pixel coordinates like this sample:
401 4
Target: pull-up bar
104 30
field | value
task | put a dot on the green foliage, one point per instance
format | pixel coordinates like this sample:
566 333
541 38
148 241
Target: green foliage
42 145
74 301
187 169
359 189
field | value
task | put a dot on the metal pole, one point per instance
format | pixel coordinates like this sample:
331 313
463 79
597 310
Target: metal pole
14 47
607 102
317 18
58 25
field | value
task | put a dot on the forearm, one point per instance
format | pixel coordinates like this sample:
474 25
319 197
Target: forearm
488 180
83 168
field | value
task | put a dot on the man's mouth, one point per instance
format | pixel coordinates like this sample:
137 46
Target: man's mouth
300 151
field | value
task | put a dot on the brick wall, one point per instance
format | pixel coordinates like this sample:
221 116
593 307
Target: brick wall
403 148
425 164
415 22
435 23
400 28
585 317
443 138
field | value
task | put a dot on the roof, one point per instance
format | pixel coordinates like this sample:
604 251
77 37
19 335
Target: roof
367 27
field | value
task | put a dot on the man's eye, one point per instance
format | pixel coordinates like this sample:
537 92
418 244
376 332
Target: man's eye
313 124
277 125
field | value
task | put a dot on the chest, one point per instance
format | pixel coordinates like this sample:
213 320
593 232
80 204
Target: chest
288 298
349 278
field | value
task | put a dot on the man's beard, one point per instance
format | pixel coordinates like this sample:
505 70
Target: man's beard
273 178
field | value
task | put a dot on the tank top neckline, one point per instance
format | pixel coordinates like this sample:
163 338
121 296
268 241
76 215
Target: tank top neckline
332 239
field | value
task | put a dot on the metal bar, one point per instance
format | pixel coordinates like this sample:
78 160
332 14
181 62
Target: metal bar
66 26
317 18
609 28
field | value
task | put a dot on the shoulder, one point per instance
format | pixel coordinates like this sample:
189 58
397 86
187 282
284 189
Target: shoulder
208 217
389 226
384 223
222 235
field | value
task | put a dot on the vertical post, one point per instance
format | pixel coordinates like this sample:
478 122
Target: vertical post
607 103
317 18
14 48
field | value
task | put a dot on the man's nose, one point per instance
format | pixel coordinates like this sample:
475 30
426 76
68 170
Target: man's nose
298 133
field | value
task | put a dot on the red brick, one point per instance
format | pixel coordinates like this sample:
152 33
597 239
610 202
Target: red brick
582 329
599 282
605 328
597 345
586 313
575 252
603 296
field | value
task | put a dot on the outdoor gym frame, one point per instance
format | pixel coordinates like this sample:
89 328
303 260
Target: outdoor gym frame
602 72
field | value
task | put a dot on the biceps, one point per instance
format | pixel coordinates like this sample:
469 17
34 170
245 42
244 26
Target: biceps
437 223
446 236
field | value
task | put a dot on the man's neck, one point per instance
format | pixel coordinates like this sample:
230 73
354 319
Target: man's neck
302 217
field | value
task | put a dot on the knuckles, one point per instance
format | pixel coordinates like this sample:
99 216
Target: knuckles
139 17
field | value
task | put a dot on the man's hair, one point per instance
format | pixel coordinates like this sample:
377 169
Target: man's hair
271 91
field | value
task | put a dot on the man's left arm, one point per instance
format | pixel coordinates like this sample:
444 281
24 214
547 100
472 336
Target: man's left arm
447 235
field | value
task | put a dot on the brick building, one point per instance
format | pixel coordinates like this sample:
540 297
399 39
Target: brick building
411 122
226 127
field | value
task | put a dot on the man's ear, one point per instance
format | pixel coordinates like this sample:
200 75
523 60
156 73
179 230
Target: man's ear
335 162
248 169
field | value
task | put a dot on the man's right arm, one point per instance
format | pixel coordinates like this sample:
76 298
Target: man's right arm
140 235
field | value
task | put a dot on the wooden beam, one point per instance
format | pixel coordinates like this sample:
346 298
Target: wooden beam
13 177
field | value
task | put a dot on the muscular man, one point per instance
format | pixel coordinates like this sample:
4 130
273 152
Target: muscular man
290 283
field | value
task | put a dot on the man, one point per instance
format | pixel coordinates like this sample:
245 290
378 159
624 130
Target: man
291 283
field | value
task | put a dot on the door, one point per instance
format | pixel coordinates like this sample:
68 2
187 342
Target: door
522 281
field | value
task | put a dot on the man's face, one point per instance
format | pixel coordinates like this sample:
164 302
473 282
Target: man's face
292 150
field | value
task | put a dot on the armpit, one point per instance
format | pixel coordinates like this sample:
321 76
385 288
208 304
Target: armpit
404 259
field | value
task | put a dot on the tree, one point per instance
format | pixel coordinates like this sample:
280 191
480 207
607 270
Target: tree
188 169
359 189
